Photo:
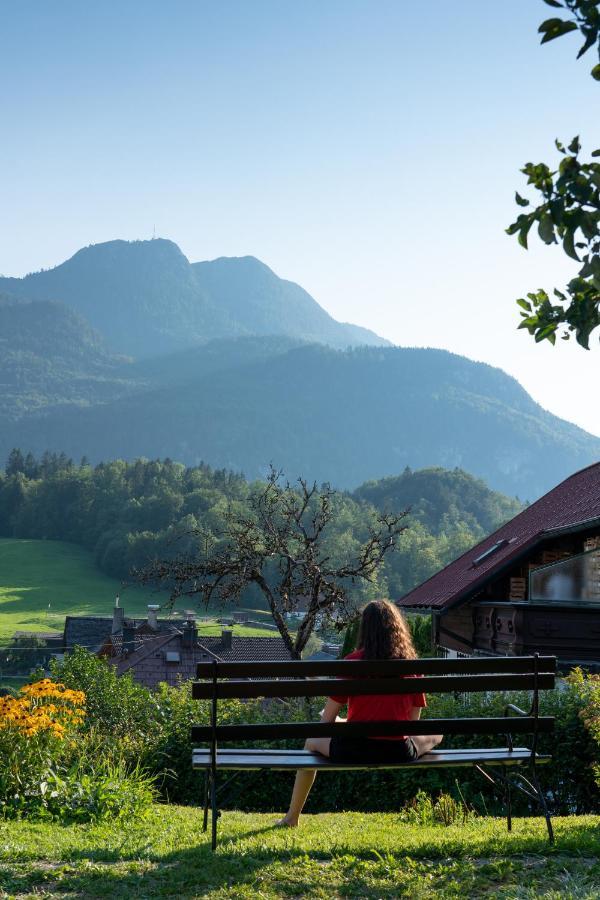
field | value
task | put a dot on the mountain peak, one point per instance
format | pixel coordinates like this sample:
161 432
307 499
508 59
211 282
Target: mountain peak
158 249
146 299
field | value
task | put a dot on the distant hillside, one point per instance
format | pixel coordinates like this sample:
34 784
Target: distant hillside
50 356
344 417
208 359
146 298
42 581
440 498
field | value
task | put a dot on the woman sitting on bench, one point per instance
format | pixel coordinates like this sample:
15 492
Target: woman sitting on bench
383 634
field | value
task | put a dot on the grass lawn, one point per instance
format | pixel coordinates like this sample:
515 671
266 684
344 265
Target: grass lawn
42 581
331 855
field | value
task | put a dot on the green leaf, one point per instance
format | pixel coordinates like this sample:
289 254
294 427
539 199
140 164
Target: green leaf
554 3
569 246
521 200
575 146
595 152
554 28
591 35
548 333
559 145
595 73
546 229
524 304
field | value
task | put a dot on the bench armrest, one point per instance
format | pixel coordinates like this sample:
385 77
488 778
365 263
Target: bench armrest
517 711
511 708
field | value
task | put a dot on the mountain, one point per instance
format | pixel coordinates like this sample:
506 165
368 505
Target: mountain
49 356
255 298
145 298
441 498
344 417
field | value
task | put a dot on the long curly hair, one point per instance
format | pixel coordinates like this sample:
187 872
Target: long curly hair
383 632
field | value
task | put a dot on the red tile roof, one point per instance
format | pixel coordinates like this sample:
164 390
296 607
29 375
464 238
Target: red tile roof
573 503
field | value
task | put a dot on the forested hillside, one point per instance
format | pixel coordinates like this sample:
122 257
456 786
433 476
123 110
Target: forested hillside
129 513
440 498
343 417
50 356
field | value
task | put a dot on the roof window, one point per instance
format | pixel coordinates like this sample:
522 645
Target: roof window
490 552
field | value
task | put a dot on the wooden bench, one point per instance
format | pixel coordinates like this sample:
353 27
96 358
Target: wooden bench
224 680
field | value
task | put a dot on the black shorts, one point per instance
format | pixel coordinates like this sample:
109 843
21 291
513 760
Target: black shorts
368 750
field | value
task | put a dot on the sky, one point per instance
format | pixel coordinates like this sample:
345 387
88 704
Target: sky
367 149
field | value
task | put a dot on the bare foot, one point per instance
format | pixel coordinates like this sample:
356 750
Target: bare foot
286 822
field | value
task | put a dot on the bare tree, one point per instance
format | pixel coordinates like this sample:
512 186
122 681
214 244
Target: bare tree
280 545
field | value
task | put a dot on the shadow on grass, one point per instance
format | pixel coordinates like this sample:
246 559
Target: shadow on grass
245 865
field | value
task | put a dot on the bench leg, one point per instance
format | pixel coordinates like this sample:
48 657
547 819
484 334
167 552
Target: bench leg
543 804
206 800
508 803
214 811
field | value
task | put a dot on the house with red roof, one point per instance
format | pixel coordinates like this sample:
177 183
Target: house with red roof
532 585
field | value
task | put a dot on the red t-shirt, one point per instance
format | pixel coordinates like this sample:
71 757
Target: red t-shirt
380 707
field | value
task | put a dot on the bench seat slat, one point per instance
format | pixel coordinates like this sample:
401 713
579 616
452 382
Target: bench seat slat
247 759
301 730
346 668
366 686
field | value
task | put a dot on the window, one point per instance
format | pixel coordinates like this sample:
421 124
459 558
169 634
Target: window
493 549
570 581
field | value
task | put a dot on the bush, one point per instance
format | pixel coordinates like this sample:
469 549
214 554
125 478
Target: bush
119 709
36 726
568 781
106 790
54 767
587 689
135 727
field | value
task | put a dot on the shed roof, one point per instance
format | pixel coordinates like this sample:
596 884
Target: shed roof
573 505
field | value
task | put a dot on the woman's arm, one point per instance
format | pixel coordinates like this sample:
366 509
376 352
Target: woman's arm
415 713
330 710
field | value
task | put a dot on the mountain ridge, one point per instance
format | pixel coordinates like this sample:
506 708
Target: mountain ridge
340 416
146 298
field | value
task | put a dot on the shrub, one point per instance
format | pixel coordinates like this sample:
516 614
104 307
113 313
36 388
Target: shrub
568 781
130 725
446 810
36 726
587 688
119 708
106 790
45 773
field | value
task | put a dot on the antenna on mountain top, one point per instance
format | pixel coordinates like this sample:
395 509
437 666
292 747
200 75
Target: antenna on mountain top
154 232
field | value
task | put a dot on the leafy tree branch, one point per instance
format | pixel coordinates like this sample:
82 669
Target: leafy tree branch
568 210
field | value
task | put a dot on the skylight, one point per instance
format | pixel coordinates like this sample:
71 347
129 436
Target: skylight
487 553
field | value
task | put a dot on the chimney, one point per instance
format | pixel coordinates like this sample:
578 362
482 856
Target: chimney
226 636
153 609
128 645
118 615
190 631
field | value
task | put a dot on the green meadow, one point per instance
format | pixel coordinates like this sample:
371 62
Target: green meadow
338 855
43 581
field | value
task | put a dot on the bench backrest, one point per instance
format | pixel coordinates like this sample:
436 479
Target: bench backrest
245 680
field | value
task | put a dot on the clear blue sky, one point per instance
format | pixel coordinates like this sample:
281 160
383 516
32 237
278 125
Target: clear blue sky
368 150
